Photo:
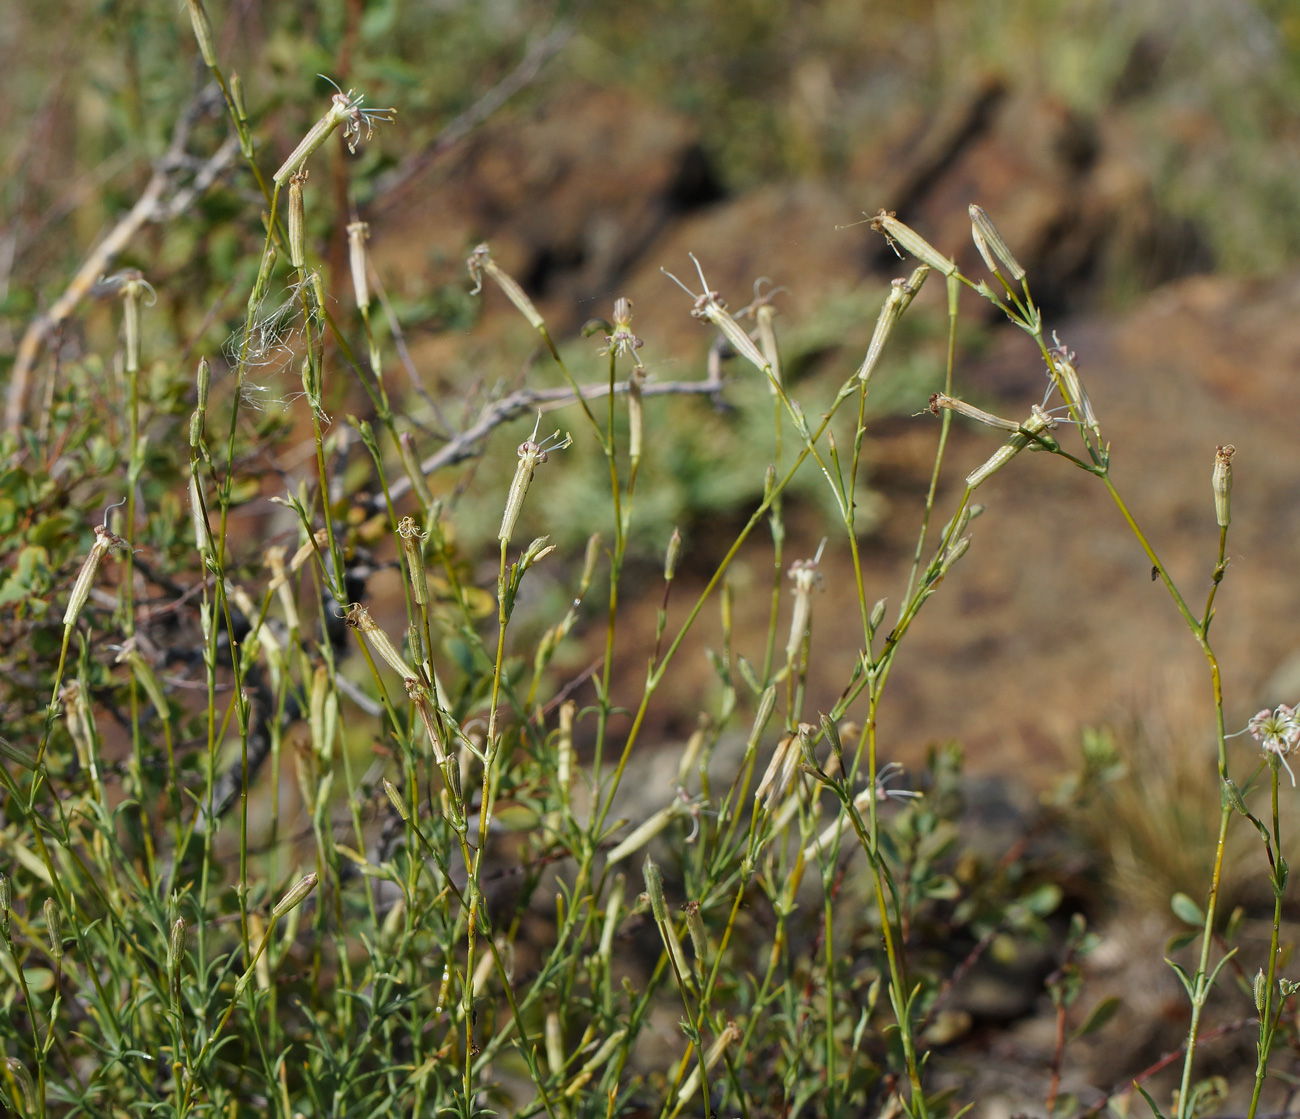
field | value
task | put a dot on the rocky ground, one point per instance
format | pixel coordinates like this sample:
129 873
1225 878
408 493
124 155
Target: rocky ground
1052 623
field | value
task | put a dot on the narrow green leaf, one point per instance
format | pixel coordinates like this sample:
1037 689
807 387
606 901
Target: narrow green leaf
1183 977
1100 1014
1187 910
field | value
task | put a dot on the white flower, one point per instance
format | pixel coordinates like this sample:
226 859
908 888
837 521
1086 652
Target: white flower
1277 732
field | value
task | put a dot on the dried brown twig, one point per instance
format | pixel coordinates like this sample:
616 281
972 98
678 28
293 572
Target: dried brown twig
153 205
465 444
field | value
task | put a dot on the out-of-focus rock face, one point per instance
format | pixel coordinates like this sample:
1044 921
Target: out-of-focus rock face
1052 619
593 189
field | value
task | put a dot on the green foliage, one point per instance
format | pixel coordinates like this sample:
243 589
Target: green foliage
263 851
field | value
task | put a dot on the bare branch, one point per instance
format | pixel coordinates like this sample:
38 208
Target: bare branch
150 207
465 444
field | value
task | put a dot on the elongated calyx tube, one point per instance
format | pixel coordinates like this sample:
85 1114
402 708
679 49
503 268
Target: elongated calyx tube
345 109
901 294
297 238
358 231
710 308
1030 432
804 575
296 894
480 262
176 944
54 927
202 32
885 222
413 549
1222 483
532 454
991 246
86 576
358 617
399 802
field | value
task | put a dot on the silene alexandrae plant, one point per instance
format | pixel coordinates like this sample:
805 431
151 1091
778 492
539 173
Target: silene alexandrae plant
454 904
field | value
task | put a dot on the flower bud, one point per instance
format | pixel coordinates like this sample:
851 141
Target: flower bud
654 888
394 794
6 901
699 935
176 944
358 231
54 927
672 555
1261 990
989 241
297 893
901 293
203 383
237 96
877 616
202 33
1222 483
554 1043
766 705
589 563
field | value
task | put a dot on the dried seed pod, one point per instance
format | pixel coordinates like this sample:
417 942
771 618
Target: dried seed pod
671 555
805 576
940 401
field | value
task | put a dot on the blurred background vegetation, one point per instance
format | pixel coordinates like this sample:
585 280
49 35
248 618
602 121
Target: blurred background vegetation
1128 143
